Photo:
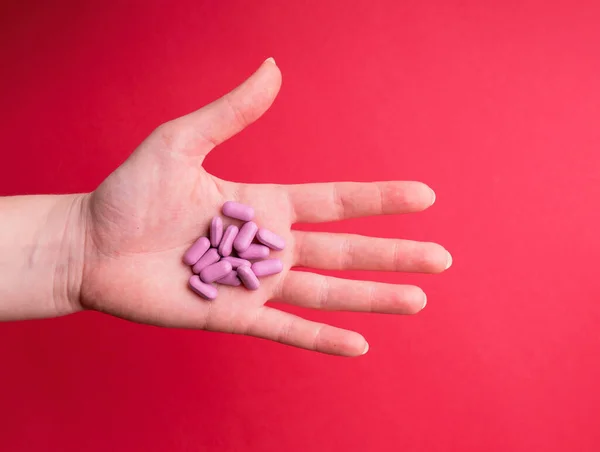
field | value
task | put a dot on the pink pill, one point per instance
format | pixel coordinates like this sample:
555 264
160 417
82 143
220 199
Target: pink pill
205 290
209 258
231 279
248 278
195 252
236 261
245 236
237 210
215 271
216 231
255 251
270 239
267 267
226 245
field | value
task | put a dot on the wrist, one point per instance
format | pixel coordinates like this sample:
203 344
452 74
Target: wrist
70 261
42 255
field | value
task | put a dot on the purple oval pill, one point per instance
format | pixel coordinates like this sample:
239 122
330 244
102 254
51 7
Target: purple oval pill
209 258
215 271
245 236
248 278
226 245
236 210
196 251
255 251
216 231
270 239
267 267
205 290
231 279
236 261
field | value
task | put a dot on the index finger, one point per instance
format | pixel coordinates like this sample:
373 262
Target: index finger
332 201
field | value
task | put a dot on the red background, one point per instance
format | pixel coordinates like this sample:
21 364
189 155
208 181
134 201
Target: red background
494 104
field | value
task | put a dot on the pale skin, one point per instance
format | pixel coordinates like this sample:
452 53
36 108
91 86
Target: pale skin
118 249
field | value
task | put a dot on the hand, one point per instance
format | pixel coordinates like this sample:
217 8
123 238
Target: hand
143 217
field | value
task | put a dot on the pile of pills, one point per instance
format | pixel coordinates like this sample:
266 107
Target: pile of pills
232 257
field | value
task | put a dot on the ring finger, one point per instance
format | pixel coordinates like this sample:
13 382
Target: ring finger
311 290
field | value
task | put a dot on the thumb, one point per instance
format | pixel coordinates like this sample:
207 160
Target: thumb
218 121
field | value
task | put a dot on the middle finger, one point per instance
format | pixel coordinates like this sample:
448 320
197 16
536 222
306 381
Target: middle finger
334 251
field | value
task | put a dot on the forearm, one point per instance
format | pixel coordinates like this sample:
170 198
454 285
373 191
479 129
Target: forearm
42 242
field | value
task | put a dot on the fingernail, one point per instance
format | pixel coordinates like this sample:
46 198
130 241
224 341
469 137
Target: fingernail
424 300
432 197
448 261
366 348
271 59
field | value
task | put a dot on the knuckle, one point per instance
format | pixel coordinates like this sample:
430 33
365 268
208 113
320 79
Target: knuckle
239 116
338 201
284 334
397 257
317 338
380 197
323 294
346 254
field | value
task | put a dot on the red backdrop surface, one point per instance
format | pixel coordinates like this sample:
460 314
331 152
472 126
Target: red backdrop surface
494 104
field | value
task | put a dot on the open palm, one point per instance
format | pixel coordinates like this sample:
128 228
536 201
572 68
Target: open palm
144 216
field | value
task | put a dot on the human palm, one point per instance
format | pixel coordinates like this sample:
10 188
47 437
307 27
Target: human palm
144 216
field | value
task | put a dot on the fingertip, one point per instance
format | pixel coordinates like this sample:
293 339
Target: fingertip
273 70
270 80
358 345
448 260
418 196
426 195
337 341
417 301
407 300
256 94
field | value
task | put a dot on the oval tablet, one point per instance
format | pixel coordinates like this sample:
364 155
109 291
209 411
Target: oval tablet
231 279
226 245
236 261
205 290
248 278
245 236
196 251
270 239
267 267
255 251
209 258
236 210
215 271
216 231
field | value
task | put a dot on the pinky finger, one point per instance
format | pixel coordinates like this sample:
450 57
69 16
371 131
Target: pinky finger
290 329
